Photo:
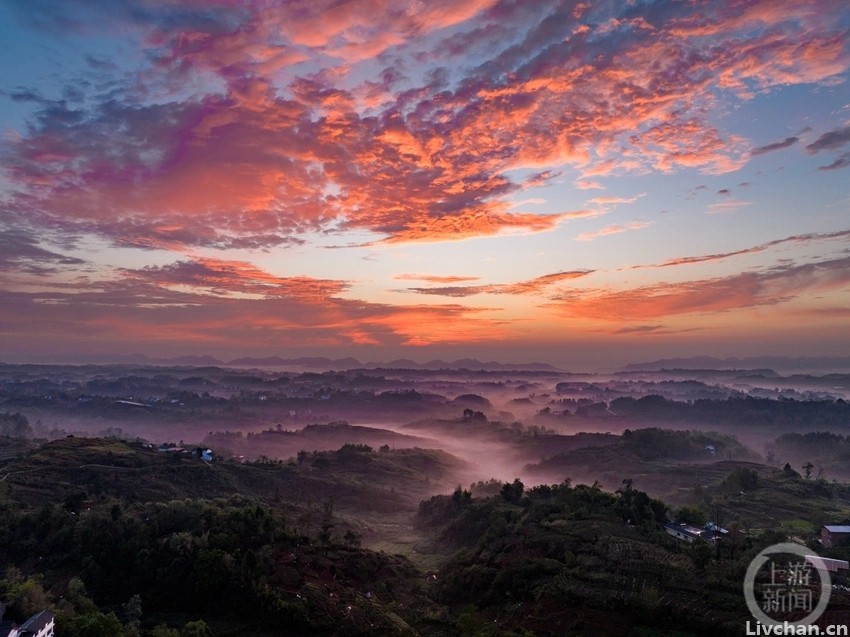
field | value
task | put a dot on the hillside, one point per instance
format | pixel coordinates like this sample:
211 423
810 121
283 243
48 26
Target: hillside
358 478
258 546
276 548
577 560
280 443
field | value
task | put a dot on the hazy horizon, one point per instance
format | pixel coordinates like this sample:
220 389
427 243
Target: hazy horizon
778 363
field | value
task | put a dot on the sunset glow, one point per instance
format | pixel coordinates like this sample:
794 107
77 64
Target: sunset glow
580 183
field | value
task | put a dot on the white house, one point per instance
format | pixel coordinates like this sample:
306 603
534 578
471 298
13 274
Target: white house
685 532
831 565
690 533
39 625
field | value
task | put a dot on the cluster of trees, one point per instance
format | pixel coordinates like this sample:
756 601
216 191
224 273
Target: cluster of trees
15 426
653 443
467 519
735 410
554 557
832 451
230 557
186 555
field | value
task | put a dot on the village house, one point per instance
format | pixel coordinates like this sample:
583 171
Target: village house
41 624
684 532
833 535
831 565
690 533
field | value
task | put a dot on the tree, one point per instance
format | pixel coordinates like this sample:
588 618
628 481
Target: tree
788 472
636 507
691 515
94 625
742 479
512 491
133 615
15 426
734 540
468 624
26 597
197 628
701 553
477 416
327 525
808 469
461 497
351 538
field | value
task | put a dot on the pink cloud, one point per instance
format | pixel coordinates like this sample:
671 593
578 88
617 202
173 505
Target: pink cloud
612 229
434 278
532 286
800 239
227 277
230 304
706 296
727 207
609 201
588 184
273 144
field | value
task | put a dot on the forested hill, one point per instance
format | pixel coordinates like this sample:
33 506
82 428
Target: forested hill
564 559
120 540
97 529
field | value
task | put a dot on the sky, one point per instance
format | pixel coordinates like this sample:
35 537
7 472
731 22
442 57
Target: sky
580 183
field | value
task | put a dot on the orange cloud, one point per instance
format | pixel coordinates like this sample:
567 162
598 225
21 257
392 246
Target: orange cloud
268 121
708 296
531 286
229 304
588 184
536 285
798 239
612 229
236 277
472 224
434 278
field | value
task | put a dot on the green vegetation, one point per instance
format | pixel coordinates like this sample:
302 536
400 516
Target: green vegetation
567 559
653 443
99 557
118 539
14 426
733 411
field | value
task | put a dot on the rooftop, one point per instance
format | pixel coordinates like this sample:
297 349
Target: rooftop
37 622
838 528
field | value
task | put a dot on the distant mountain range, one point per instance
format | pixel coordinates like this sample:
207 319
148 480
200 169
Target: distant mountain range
781 364
399 363
776 363
304 362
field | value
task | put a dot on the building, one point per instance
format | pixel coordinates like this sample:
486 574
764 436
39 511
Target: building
834 534
39 625
685 532
833 566
690 533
